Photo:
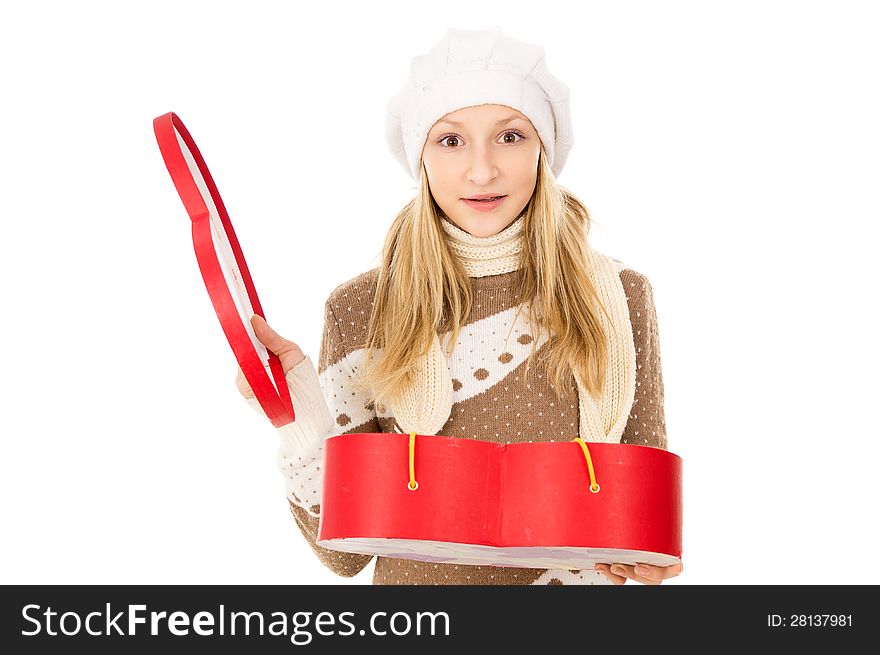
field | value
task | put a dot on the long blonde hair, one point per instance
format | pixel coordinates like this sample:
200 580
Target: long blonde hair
423 291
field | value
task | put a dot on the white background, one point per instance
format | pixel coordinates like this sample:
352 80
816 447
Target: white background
729 151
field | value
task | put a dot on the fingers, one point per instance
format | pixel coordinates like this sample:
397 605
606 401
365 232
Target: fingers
646 575
657 573
287 351
606 569
675 569
643 573
267 336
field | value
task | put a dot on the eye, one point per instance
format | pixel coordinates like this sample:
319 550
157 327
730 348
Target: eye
515 133
444 139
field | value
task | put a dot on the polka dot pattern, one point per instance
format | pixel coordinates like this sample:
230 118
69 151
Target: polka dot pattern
646 425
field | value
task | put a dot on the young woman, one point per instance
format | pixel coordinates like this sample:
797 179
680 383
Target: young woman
490 317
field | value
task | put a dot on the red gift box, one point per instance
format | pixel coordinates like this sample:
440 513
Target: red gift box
534 505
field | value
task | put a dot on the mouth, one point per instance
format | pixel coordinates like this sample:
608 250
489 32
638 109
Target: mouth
484 198
484 204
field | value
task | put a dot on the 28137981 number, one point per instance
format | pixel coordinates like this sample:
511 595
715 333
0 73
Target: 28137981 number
809 620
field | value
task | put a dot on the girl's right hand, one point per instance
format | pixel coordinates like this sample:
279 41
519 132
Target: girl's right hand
288 352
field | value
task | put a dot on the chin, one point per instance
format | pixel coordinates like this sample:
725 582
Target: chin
485 228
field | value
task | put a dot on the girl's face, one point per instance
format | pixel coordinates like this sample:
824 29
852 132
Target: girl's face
477 150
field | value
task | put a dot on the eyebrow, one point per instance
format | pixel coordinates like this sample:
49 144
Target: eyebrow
501 122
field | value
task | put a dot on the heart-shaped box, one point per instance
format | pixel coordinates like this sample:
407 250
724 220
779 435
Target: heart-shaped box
534 505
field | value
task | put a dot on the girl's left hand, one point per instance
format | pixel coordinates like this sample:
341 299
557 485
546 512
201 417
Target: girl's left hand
618 573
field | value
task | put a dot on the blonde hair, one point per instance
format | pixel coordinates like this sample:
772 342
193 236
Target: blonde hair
423 291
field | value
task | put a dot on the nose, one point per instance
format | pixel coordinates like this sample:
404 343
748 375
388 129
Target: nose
482 168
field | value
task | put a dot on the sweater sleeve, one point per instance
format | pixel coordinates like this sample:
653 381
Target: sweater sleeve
646 425
326 404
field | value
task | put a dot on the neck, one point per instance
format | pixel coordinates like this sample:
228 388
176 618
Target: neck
482 256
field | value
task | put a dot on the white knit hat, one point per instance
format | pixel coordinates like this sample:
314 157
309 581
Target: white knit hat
477 67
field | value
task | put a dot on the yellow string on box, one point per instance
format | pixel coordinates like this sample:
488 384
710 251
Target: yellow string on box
594 487
413 485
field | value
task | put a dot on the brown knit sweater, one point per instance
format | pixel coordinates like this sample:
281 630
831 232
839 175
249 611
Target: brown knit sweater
510 409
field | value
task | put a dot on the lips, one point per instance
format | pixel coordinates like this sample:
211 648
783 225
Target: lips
487 205
488 199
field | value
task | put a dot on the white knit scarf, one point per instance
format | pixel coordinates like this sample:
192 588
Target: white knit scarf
425 407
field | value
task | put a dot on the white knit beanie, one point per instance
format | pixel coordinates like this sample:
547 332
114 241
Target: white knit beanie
478 67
